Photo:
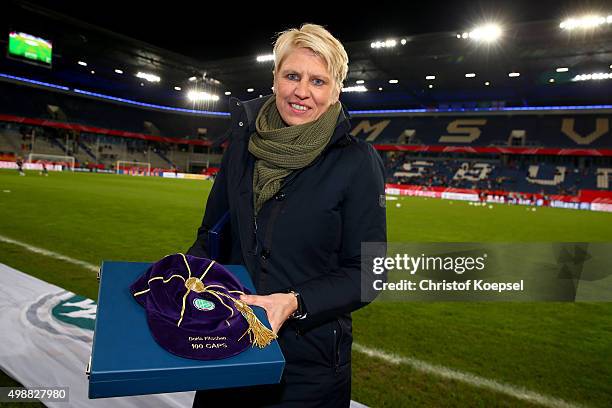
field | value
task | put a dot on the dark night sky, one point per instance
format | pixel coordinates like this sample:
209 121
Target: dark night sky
212 30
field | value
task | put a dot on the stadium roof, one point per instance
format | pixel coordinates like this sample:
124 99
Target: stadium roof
518 69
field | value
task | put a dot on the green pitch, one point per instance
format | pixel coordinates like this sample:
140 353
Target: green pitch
560 351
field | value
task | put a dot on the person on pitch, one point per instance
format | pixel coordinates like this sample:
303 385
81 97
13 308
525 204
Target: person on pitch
302 195
19 162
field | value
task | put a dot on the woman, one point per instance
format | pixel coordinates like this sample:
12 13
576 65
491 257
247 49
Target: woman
302 195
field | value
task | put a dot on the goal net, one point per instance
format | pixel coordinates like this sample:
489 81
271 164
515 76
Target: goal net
67 162
133 168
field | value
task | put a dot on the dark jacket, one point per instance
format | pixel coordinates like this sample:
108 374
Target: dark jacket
307 238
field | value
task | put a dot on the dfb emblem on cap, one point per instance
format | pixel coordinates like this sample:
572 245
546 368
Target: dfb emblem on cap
382 201
203 304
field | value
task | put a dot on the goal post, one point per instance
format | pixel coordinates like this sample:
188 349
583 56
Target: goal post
67 161
133 168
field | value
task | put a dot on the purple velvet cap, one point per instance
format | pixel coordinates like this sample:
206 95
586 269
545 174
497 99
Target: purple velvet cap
189 306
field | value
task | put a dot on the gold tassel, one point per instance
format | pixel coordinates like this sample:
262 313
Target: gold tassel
259 334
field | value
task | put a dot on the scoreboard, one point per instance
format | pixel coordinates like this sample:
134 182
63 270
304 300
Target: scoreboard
28 48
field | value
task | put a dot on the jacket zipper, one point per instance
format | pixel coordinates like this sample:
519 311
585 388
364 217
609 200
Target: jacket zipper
255 232
287 180
337 343
336 352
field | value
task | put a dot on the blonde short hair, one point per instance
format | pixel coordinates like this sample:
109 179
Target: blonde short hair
321 42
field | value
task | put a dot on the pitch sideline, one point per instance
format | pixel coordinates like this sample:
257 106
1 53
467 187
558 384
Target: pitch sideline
50 254
467 378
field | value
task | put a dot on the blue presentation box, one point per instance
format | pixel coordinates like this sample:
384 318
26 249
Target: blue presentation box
126 360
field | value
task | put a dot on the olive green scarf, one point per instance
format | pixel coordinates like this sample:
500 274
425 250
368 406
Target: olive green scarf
280 149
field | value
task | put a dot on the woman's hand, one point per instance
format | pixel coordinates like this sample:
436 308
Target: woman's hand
278 307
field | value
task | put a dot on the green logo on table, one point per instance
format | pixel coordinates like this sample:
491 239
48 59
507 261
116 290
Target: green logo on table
203 304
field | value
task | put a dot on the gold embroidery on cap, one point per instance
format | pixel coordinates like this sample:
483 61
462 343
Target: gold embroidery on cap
259 334
187 264
157 278
206 271
195 284
183 309
216 294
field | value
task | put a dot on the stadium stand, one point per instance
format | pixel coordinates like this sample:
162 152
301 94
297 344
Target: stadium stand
34 103
99 149
544 153
516 129
9 140
478 174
